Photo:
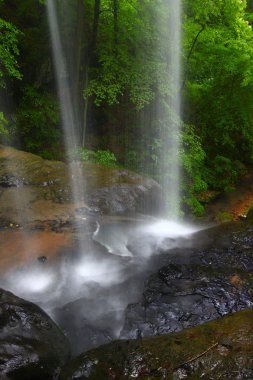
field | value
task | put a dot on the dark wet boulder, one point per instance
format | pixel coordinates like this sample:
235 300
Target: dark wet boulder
196 295
31 345
83 334
120 192
194 286
221 349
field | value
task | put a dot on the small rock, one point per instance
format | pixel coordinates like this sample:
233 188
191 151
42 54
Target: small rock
42 259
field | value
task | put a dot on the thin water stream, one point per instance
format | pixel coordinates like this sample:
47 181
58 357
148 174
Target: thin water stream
69 124
169 109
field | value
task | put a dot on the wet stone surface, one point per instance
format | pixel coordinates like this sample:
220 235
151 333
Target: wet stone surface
221 349
39 190
195 285
188 286
10 180
31 345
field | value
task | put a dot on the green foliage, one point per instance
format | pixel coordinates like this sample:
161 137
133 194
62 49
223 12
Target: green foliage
224 217
224 172
8 51
37 123
83 154
219 87
102 157
136 65
4 135
193 164
105 157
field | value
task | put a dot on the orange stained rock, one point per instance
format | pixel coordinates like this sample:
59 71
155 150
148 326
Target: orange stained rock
18 247
235 280
235 202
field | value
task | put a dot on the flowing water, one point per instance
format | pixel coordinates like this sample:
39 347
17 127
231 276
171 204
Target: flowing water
68 115
69 122
168 109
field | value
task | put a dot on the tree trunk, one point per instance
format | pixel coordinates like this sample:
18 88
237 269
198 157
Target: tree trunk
77 89
93 43
189 55
115 20
85 108
90 61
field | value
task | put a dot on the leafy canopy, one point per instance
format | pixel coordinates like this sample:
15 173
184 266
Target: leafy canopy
8 51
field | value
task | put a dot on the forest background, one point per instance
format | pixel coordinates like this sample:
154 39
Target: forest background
117 61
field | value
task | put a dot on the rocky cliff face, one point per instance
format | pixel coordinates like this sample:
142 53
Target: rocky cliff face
34 190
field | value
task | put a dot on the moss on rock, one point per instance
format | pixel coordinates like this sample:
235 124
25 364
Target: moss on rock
219 349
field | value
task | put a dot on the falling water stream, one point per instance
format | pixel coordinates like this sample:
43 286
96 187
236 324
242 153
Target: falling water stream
70 129
168 114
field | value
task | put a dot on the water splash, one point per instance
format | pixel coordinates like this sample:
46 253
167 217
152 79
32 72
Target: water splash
168 228
138 240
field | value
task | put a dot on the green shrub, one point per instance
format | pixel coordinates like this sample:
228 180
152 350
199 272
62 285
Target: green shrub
105 157
83 154
193 168
223 172
224 216
37 123
4 134
102 157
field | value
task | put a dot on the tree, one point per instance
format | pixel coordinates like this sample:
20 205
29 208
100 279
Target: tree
8 51
219 85
8 62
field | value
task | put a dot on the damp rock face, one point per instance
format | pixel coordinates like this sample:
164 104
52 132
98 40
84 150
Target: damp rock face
221 349
196 285
34 190
31 345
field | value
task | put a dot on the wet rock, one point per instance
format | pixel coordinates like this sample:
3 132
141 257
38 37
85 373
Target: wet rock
34 190
21 247
83 333
31 345
42 259
128 198
96 316
196 285
10 180
221 349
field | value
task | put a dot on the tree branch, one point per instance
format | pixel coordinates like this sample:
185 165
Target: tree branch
197 356
190 53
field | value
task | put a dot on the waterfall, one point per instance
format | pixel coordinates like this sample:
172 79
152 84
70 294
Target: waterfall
63 80
69 122
168 112
92 284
